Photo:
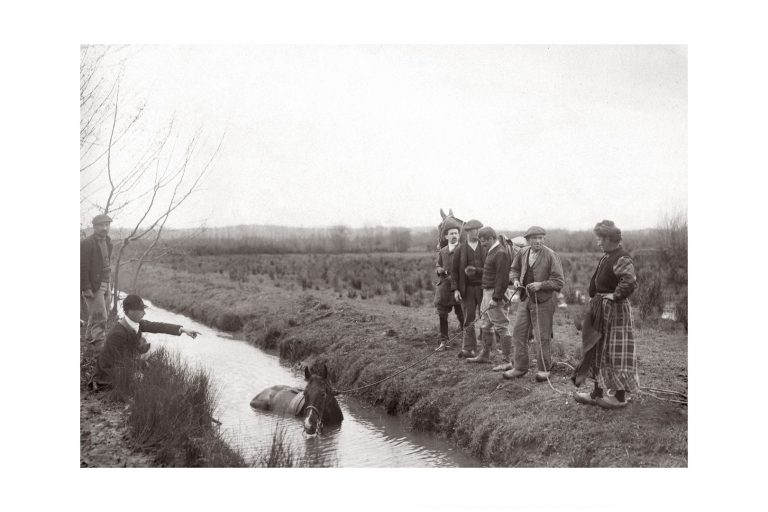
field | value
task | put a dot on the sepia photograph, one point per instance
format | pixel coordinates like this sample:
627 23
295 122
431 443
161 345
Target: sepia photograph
428 256
384 256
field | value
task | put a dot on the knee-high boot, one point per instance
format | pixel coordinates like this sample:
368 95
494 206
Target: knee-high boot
486 336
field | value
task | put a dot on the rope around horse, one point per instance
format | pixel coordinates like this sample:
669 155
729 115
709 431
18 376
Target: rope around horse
461 332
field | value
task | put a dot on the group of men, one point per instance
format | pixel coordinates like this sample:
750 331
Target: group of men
475 276
482 274
125 340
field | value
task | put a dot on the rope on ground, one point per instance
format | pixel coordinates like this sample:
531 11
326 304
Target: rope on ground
461 332
541 346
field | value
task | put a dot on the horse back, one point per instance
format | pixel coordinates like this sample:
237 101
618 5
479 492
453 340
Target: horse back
279 399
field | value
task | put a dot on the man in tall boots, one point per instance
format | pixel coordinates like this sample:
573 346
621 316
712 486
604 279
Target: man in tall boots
495 304
538 269
467 282
444 299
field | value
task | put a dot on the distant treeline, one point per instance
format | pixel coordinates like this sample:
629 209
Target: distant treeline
342 239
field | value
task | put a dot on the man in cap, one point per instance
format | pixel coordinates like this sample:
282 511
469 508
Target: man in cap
95 272
538 270
467 282
495 305
444 299
125 340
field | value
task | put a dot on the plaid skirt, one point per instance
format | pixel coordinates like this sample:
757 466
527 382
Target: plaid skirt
617 367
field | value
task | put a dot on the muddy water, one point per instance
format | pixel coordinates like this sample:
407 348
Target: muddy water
368 437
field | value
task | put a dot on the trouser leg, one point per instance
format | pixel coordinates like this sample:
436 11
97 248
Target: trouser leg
470 304
97 315
520 336
443 327
459 315
542 333
99 318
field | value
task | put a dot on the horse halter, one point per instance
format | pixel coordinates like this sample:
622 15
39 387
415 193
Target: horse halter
319 413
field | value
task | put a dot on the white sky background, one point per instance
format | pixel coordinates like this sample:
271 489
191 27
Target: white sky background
558 136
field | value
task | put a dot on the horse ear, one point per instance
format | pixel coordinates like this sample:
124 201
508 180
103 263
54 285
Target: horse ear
306 372
450 212
323 371
442 213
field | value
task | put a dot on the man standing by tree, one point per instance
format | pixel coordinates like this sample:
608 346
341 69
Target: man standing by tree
467 282
95 272
444 299
539 270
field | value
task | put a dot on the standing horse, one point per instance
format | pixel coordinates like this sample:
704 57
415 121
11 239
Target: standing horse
316 404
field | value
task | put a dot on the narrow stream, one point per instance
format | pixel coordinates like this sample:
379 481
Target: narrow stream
368 437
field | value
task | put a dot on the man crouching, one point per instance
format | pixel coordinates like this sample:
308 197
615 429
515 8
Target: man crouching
125 341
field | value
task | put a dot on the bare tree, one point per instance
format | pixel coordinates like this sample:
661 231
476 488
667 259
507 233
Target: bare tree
151 180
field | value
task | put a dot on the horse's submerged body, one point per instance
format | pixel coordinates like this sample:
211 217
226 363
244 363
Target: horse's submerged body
285 400
316 403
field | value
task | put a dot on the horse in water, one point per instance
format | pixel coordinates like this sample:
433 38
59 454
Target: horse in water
316 403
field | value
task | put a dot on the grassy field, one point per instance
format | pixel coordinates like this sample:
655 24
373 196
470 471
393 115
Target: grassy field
519 423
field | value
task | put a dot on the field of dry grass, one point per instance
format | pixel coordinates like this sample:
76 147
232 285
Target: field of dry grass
519 423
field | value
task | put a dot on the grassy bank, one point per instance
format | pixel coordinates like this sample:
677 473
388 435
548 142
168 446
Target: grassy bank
169 412
505 423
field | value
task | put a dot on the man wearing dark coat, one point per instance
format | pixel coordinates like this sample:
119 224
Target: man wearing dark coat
444 297
95 254
467 282
125 341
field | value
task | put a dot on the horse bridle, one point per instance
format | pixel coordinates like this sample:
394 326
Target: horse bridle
319 413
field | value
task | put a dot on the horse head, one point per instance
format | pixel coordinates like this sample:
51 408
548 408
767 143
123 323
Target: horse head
320 406
448 220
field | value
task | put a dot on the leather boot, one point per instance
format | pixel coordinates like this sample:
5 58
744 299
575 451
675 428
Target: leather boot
485 353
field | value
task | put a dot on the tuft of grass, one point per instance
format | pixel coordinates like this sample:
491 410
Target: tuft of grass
171 411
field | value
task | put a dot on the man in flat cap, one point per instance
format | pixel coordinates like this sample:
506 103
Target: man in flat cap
467 282
495 305
444 299
125 341
95 272
538 269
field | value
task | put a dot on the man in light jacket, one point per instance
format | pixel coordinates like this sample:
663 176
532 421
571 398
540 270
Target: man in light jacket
538 269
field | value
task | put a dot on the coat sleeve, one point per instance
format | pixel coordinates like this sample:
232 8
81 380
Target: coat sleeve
516 267
160 327
502 274
556 279
85 265
625 271
455 264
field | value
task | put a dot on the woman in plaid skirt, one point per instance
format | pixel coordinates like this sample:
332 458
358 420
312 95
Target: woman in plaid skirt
608 342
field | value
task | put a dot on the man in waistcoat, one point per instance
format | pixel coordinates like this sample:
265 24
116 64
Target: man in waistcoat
467 283
538 269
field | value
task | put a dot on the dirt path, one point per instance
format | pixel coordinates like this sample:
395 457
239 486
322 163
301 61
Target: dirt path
104 435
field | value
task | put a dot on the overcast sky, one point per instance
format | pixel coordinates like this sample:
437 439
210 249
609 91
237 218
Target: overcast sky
387 135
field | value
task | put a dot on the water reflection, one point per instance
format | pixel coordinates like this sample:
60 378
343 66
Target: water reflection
368 437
